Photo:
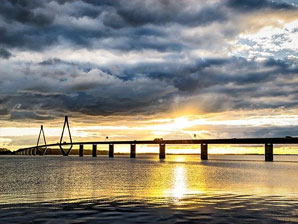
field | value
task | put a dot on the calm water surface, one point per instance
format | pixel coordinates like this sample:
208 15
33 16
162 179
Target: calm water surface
179 189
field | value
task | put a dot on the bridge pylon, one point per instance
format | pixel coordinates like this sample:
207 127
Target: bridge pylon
45 142
70 139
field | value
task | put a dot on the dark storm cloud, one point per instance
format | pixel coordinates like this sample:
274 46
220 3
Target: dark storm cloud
246 6
121 25
25 105
173 28
216 84
51 61
277 62
24 12
124 21
209 72
136 15
30 38
4 53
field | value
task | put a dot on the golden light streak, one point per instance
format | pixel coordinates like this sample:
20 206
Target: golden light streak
198 126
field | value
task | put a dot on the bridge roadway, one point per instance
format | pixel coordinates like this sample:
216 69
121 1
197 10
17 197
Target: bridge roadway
268 142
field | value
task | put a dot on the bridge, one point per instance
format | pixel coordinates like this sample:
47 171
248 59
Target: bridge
267 142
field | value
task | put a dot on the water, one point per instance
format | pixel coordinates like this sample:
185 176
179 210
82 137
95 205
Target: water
180 189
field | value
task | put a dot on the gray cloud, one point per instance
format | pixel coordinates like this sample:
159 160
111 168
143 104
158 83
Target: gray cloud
4 53
133 25
4 111
25 12
270 132
256 5
15 115
172 28
213 84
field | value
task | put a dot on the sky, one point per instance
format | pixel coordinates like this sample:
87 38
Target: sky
145 69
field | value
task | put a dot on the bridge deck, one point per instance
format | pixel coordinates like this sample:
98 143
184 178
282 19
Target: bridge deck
292 140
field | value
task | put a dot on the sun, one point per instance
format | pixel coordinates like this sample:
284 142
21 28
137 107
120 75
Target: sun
181 123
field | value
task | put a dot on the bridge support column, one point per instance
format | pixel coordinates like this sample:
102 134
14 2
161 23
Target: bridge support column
132 151
268 152
111 150
81 150
162 151
204 151
94 150
38 151
35 151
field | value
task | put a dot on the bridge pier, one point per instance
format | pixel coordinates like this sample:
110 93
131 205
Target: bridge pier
162 151
132 151
94 150
111 150
204 151
81 150
268 152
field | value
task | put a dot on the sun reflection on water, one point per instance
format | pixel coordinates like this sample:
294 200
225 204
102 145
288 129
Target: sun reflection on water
180 187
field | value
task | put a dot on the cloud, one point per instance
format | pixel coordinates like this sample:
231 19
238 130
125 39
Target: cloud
25 12
4 111
256 5
4 53
271 132
143 57
124 26
91 24
15 115
210 85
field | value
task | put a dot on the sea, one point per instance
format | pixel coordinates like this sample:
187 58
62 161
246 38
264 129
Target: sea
178 189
